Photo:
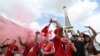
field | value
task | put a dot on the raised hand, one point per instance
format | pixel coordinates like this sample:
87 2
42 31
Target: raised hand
37 32
52 21
87 26
93 32
19 38
7 39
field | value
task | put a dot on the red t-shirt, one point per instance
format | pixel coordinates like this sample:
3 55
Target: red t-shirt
27 47
11 47
69 50
46 46
59 50
33 51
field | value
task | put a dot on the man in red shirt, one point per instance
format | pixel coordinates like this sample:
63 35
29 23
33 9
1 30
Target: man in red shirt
35 49
11 49
27 46
46 46
62 47
68 46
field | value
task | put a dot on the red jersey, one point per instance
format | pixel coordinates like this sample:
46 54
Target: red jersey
69 49
10 48
27 47
33 51
46 46
59 50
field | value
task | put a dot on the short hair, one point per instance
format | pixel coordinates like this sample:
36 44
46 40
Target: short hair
75 35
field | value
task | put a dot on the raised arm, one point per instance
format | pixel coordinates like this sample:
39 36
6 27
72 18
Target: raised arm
3 45
20 41
74 48
36 37
59 30
5 41
93 31
58 24
45 29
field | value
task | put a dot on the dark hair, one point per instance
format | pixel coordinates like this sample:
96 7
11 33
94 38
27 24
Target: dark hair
87 36
75 36
84 36
90 47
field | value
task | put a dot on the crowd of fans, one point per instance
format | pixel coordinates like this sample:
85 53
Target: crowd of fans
80 44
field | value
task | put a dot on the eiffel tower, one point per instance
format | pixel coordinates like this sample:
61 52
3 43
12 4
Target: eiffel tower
68 26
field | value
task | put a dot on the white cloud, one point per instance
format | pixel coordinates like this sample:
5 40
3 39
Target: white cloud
94 21
54 6
22 10
27 10
82 10
35 26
